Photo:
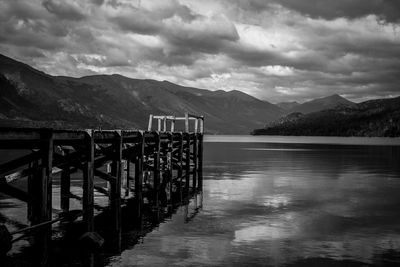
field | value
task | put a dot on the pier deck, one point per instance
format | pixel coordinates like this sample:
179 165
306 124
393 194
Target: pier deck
155 166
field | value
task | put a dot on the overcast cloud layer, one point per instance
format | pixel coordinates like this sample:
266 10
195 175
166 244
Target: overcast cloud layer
275 50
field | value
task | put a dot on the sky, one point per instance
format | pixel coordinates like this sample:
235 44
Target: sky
276 50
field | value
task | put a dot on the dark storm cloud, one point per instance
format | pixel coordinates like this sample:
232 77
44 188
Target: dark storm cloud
64 9
138 21
386 10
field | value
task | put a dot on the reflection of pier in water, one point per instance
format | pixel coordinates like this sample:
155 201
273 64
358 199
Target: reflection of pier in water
144 176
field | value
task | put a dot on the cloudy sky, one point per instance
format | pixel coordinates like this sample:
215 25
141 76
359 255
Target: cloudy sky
277 50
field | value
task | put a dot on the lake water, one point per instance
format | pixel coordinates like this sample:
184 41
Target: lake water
285 201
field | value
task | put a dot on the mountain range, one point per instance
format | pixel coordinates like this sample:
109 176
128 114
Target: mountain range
32 98
380 117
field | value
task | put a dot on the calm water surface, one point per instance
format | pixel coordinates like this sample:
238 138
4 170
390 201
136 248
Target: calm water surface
285 203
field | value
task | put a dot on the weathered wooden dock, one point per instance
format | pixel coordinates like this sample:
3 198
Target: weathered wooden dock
153 166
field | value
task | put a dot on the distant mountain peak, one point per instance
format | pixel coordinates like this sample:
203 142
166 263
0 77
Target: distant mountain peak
322 103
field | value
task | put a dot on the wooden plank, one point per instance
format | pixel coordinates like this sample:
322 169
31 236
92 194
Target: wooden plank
100 189
20 134
13 191
105 176
19 144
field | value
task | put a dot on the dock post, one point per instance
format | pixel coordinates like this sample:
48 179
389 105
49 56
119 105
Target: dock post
88 187
65 186
156 168
150 122
173 125
164 124
115 194
180 167
186 122
200 160
40 190
187 164
139 176
194 161
170 167
159 125
127 171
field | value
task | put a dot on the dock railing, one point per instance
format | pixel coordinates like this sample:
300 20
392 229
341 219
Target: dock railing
163 120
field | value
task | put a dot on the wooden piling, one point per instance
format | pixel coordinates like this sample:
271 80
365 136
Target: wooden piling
139 175
200 163
65 186
88 186
156 168
187 163
180 164
115 194
170 165
194 157
186 122
41 195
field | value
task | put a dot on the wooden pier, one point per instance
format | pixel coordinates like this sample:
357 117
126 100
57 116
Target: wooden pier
159 167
